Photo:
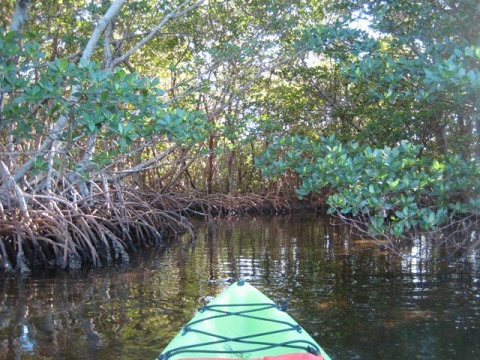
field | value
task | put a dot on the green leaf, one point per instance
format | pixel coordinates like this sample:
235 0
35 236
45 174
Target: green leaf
394 184
477 52
62 65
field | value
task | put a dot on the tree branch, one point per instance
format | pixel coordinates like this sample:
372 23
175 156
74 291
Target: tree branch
111 13
178 12
20 16
62 122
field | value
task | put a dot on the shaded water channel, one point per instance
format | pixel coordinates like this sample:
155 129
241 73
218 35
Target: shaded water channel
357 300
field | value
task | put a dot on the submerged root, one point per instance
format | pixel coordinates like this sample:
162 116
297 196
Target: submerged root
69 231
213 205
97 231
457 238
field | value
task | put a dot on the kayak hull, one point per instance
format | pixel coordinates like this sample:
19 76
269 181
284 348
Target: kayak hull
243 323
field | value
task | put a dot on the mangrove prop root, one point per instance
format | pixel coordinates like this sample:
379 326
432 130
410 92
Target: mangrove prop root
64 234
67 232
457 238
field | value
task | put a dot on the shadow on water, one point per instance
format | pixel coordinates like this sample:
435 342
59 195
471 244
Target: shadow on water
357 299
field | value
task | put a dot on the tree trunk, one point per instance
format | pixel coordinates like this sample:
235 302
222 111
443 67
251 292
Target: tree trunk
211 163
63 120
20 16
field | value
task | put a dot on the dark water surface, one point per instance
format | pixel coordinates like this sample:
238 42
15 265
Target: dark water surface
357 300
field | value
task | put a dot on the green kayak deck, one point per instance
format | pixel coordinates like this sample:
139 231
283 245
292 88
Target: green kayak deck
242 323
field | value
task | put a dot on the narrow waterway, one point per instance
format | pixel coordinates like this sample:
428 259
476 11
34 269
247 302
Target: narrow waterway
356 299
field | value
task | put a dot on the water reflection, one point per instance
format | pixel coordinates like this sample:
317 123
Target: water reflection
357 299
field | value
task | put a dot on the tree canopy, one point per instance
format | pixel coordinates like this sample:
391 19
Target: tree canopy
374 102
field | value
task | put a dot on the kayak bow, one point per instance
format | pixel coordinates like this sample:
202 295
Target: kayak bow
243 323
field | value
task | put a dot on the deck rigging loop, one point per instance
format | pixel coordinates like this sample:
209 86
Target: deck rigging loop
246 311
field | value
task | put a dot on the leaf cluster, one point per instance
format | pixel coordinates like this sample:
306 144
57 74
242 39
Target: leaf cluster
394 187
117 107
412 71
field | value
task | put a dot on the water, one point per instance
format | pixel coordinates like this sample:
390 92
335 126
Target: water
356 299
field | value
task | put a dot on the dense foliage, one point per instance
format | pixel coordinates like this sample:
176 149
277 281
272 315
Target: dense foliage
114 107
392 189
410 73
238 97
